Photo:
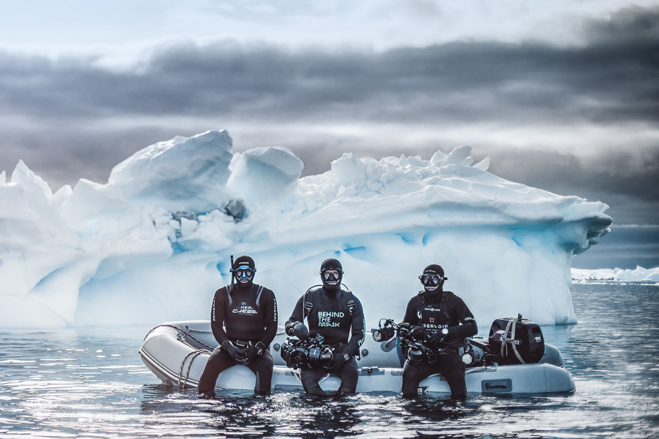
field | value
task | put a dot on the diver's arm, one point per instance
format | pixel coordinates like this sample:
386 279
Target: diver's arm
271 318
358 334
217 315
296 316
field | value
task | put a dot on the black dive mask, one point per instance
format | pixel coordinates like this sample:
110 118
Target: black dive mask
431 280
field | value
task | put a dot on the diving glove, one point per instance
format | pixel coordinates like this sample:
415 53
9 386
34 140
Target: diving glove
340 358
254 351
238 354
300 331
438 338
419 333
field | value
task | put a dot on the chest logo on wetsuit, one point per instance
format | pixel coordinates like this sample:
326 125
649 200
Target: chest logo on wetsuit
327 319
244 309
432 318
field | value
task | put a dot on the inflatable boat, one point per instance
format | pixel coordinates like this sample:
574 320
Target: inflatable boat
177 353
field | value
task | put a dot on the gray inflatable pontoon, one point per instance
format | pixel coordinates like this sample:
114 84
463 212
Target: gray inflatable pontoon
177 353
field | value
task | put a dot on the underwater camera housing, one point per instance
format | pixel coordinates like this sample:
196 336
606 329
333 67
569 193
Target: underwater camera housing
416 350
417 353
310 353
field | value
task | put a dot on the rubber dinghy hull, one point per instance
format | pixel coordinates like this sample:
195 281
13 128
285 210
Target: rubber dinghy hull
177 352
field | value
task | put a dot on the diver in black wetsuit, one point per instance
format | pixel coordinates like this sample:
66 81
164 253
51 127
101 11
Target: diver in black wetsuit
337 315
445 321
244 323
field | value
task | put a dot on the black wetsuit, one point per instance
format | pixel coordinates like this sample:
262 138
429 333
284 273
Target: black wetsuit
338 316
242 314
434 312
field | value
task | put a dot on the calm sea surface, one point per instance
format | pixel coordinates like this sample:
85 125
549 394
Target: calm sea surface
90 383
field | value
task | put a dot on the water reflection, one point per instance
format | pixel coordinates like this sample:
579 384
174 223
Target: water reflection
434 410
294 414
327 419
244 414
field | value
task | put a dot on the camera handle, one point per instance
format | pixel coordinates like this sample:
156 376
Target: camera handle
389 344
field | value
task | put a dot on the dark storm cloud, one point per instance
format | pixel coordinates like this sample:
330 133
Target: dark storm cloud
629 26
72 112
563 172
602 81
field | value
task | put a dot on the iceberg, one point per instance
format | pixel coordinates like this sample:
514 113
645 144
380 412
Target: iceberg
154 243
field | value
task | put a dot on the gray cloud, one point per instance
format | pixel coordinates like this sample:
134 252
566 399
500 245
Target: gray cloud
627 27
604 81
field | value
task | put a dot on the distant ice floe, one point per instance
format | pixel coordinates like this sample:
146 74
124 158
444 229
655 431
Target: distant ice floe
154 242
637 275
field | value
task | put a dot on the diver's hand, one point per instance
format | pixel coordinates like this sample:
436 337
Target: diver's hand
340 358
254 352
300 331
238 354
437 339
419 333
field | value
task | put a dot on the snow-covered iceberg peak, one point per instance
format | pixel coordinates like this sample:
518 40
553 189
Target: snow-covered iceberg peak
182 173
155 242
265 177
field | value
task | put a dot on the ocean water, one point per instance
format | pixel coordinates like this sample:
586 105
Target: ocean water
90 383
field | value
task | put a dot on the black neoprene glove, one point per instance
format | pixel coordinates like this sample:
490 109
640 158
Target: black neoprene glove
339 360
254 351
437 339
300 331
238 354
418 332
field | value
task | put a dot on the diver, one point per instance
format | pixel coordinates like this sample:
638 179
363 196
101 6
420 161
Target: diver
338 316
244 323
442 319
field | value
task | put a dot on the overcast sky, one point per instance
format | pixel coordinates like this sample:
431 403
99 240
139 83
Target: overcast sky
562 95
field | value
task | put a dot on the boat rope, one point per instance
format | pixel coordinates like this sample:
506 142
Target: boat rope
183 334
182 381
508 338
